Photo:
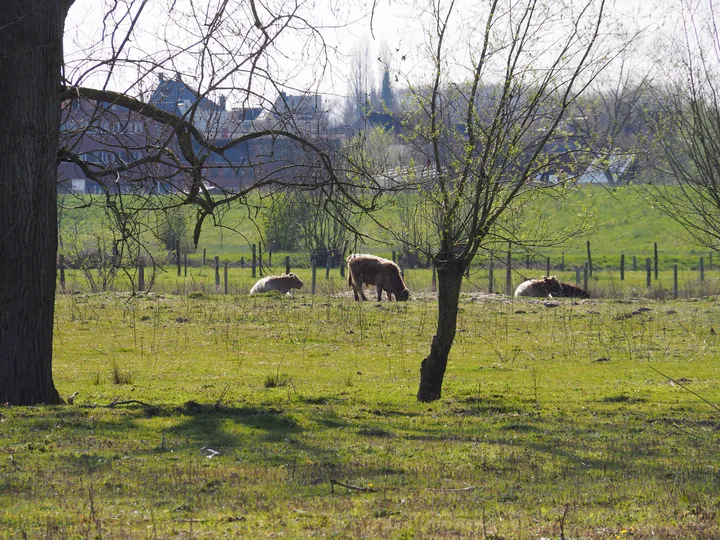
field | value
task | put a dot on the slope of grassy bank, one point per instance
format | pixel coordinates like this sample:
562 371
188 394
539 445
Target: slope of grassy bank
618 221
275 416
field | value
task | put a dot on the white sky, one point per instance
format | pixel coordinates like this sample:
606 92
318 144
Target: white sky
397 26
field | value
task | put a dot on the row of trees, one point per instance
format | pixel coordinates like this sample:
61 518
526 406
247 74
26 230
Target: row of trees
492 103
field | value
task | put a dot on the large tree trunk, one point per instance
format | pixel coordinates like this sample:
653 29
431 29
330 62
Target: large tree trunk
30 66
433 367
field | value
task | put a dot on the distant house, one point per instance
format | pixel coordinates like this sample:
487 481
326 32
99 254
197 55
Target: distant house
174 96
301 108
562 159
612 168
302 112
104 136
372 120
125 151
244 120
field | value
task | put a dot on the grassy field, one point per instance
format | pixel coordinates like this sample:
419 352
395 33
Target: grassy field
617 221
236 416
604 283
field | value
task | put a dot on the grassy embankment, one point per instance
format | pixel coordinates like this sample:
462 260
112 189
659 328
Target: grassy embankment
622 223
554 421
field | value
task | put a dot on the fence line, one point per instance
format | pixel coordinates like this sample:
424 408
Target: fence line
514 274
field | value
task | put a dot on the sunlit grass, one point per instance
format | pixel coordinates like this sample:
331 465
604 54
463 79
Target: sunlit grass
616 221
552 418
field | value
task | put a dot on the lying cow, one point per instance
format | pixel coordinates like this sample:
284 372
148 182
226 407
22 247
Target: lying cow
382 273
281 283
549 286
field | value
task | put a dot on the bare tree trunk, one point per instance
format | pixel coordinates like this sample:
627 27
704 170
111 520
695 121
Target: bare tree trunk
433 367
30 66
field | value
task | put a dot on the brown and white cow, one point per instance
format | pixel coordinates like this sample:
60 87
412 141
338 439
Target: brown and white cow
282 283
382 273
549 286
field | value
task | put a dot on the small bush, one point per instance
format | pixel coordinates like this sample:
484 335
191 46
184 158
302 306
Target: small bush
277 380
119 375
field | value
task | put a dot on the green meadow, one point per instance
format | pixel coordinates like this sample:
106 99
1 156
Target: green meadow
210 416
198 414
615 221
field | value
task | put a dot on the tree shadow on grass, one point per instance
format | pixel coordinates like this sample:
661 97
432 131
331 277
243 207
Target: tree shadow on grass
276 436
99 439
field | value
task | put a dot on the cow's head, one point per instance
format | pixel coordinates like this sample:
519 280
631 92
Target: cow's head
403 296
295 281
552 284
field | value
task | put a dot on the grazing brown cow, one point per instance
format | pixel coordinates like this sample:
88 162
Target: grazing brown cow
281 283
549 286
371 270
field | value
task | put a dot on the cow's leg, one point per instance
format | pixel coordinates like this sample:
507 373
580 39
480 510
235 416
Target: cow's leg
357 286
354 289
359 294
379 293
360 287
389 295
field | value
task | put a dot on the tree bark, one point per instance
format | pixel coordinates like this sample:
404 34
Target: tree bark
432 369
30 68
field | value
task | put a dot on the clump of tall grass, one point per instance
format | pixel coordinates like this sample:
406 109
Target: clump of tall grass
119 375
277 380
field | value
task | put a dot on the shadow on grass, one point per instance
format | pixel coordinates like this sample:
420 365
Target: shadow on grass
97 440
323 437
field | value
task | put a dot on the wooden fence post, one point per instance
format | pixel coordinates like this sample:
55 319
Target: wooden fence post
342 265
225 277
260 264
508 271
270 257
577 276
141 273
622 267
217 273
491 264
185 264
548 267
328 265
287 264
254 260
527 261
562 263
634 263
587 271
393 257
589 261
204 254
656 262
314 271
648 271
62 272
702 269
177 257
675 281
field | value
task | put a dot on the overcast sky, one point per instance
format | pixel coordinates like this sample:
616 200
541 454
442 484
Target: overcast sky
298 61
